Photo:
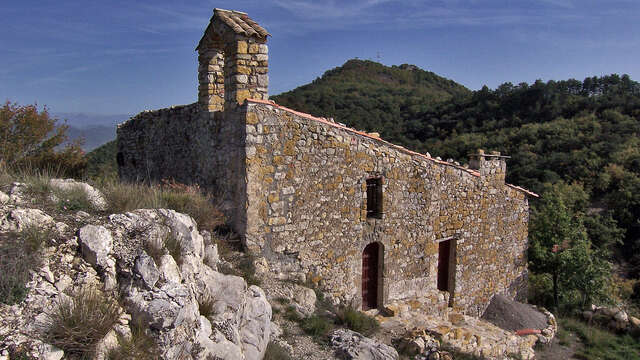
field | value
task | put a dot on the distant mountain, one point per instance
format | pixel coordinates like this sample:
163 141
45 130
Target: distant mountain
373 97
85 120
95 129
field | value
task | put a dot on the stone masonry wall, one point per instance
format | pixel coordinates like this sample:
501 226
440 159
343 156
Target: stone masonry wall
306 213
191 147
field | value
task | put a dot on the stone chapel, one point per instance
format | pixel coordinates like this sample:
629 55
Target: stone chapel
368 222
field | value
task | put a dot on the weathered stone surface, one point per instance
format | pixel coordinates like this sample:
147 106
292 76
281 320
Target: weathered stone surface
146 268
352 345
96 243
20 219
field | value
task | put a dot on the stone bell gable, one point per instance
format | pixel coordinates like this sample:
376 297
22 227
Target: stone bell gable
232 56
369 222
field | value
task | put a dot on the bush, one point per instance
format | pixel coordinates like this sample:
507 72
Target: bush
139 346
77 324
316 326
276 352
20 254
357 321
32 138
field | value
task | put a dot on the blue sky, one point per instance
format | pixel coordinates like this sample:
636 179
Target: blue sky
126 56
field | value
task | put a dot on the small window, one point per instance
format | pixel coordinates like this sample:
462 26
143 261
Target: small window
374 198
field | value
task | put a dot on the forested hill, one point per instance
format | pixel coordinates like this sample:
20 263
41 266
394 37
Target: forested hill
373 97
583 135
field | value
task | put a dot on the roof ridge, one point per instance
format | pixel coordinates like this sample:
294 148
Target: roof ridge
365 134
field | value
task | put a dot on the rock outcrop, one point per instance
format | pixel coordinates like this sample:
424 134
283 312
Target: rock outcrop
153 261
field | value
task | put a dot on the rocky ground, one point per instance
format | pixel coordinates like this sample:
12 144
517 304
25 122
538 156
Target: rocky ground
173 296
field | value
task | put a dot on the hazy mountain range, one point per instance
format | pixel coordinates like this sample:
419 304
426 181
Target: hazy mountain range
95 129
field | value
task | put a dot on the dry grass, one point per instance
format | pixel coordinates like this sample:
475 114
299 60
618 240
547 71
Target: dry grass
76 325
276 352
123 197
72 199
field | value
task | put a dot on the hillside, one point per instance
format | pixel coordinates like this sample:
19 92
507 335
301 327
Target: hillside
373 97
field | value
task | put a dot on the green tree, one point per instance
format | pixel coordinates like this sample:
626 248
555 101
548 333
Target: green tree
559 246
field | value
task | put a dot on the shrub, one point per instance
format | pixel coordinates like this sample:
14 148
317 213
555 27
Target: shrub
247 270
357 321
77 324
33 138
276 352
20 254
139 346
316 326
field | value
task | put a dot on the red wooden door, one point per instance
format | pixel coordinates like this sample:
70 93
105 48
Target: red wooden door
370 276
444 253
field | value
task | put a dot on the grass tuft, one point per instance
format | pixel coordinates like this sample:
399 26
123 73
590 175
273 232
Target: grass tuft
172 244
357 321
77 324
139 346
316 326
72 199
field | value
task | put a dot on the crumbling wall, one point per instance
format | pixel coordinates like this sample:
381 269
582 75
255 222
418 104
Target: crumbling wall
306 185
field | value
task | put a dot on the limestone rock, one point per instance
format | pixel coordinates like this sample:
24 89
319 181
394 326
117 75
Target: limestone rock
255 327
4 198
352 345
211 257
94 196
20 219
96 243
146 268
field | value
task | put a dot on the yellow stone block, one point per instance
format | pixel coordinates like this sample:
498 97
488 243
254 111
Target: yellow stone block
242 47
254 49
252 118
273 198
289 148
242 95
243 70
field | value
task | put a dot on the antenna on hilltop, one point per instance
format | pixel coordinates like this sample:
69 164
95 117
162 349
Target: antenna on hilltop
378 56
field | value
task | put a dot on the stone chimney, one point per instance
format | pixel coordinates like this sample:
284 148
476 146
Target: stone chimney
233 61
492 167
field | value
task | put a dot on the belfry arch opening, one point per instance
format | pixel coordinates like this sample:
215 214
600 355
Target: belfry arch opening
372 275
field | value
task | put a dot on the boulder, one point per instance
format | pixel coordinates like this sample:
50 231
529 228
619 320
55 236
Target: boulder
20 219
352 345
255 327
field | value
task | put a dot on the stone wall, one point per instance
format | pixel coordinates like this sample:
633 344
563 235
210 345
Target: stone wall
306 184
190 147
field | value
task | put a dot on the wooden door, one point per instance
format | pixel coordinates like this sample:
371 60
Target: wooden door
444 258
370 267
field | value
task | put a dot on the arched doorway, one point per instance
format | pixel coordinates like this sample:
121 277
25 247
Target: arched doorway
372 259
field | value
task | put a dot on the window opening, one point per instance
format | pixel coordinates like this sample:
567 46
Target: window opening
374 198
